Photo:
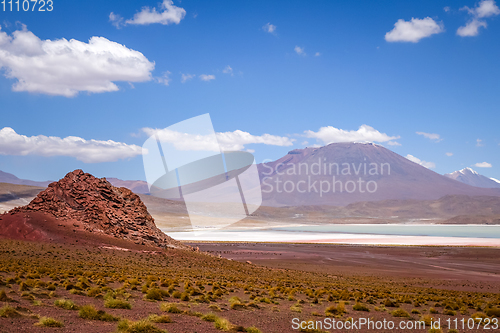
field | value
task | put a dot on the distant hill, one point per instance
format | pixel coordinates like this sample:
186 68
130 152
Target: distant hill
6 177
136 186
360 172
471 177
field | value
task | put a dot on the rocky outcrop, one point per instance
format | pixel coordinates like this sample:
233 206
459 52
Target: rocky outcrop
100 207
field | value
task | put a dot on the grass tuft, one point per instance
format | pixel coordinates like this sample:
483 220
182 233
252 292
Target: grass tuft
49 322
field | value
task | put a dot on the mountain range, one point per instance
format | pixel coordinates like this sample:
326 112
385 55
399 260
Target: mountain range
340 174
471 177
343 173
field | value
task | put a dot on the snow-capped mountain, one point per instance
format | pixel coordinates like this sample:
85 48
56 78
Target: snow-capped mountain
471 177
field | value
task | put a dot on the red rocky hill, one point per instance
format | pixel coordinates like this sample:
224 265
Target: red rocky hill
87 205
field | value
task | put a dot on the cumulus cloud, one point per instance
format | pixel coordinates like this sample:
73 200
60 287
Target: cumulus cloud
228 141
414 30
479 143
299 50
270 28
365 133
62 67
431 136
167 14
428 165
186 77
88 151
483 165
485 8
449 154
165 79
228 70
393 143
205 77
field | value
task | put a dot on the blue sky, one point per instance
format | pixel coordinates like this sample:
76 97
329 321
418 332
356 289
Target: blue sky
277 70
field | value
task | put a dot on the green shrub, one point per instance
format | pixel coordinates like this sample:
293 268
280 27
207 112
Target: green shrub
159 319
222 324
210 317
49 322
112 303
154 294
449 312
90 312
141 326
170 308
4 297
66 304
492 312
360 307
94 292
9 312
400 313
253 329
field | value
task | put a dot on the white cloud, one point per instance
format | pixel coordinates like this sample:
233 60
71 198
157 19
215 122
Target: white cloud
88 151
226 141
317 54
428 165
167 14
62 67
205 77
483 165
485 8
431 136
414 30
299 50
165 79
186 77
116 20
447 9
330 134
471 28
449 154
228 70
479 143
393 143
268 27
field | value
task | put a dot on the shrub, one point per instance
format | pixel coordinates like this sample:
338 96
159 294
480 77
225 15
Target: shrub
184 297
296 308
415 311
209 317
94 292
253 329
222 324
4 297
9 312
154 294
335 310
435 330
492 312
427 320
170 308
449 312
400 313
214 307
159 319
66 304
360 307
388 303
117 304
141 326
49 322
433 311
90 312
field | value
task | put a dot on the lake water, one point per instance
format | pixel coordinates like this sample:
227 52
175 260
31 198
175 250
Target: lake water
421 234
